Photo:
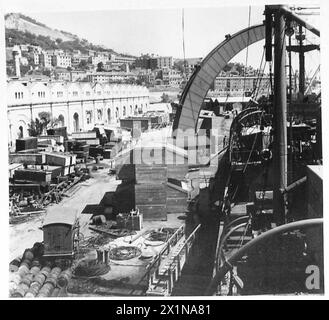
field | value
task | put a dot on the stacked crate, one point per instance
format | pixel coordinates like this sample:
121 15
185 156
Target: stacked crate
29 143
66 161
151 180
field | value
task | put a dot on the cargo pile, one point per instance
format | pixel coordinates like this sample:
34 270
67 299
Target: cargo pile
34 276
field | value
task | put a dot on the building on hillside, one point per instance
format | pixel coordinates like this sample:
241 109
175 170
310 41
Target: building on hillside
45 59
61 60
171 77
239 85
146 62
165 62
111 76
73 75
119 59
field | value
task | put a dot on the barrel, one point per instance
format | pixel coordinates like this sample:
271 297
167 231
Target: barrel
56 271
33 290
13 268
28 255
26 262
35 270
64 278
55 292
48 264
23 270
28 279
14 265
52 278
46 290
20 291
38 249
39 278
45 271
16 278
36 263
12 287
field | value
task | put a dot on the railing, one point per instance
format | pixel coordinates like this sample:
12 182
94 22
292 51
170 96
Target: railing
164 251
173 269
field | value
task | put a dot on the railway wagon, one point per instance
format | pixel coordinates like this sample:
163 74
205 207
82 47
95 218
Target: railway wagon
60 232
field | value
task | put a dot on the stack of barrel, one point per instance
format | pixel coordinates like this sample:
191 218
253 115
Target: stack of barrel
32 277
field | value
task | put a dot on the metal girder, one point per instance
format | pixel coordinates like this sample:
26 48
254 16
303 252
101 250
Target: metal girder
204 76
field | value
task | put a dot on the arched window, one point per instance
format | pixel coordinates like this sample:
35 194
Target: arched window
109 115
61 121
76 126
20 133
124 111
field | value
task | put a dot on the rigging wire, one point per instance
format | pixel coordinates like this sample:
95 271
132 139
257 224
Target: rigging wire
183 32
247 52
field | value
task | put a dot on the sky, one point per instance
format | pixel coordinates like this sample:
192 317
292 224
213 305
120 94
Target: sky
160 31
155 31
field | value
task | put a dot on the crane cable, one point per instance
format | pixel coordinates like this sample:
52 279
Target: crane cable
183 32
247 52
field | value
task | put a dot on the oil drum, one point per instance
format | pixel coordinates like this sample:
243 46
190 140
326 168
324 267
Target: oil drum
64 278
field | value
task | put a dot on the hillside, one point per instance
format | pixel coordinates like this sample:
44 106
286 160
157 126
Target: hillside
14 36
21 29
20 22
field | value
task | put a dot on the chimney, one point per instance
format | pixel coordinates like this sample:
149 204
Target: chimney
16 54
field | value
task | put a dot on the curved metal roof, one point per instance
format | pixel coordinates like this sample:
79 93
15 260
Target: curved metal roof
202 79
63 215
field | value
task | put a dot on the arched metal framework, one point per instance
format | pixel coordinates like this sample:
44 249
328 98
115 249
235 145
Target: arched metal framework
202 79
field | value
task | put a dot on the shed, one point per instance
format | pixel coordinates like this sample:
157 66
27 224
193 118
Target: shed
59 231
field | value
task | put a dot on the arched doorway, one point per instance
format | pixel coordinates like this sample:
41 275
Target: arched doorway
20 132
76 126
108 115
136 110
117 113
61 121
131 110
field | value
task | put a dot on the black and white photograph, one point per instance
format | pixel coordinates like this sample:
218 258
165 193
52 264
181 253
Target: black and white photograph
154 151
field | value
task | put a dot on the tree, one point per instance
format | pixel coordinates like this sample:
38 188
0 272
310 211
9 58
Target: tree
83 64
36 127
100 67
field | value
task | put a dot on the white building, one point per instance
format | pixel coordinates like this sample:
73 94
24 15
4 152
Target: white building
78 105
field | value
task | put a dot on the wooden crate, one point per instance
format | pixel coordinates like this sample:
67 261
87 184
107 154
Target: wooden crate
28 158
151 174
26 143
13 167
176 199
149 194
57 159
32 175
